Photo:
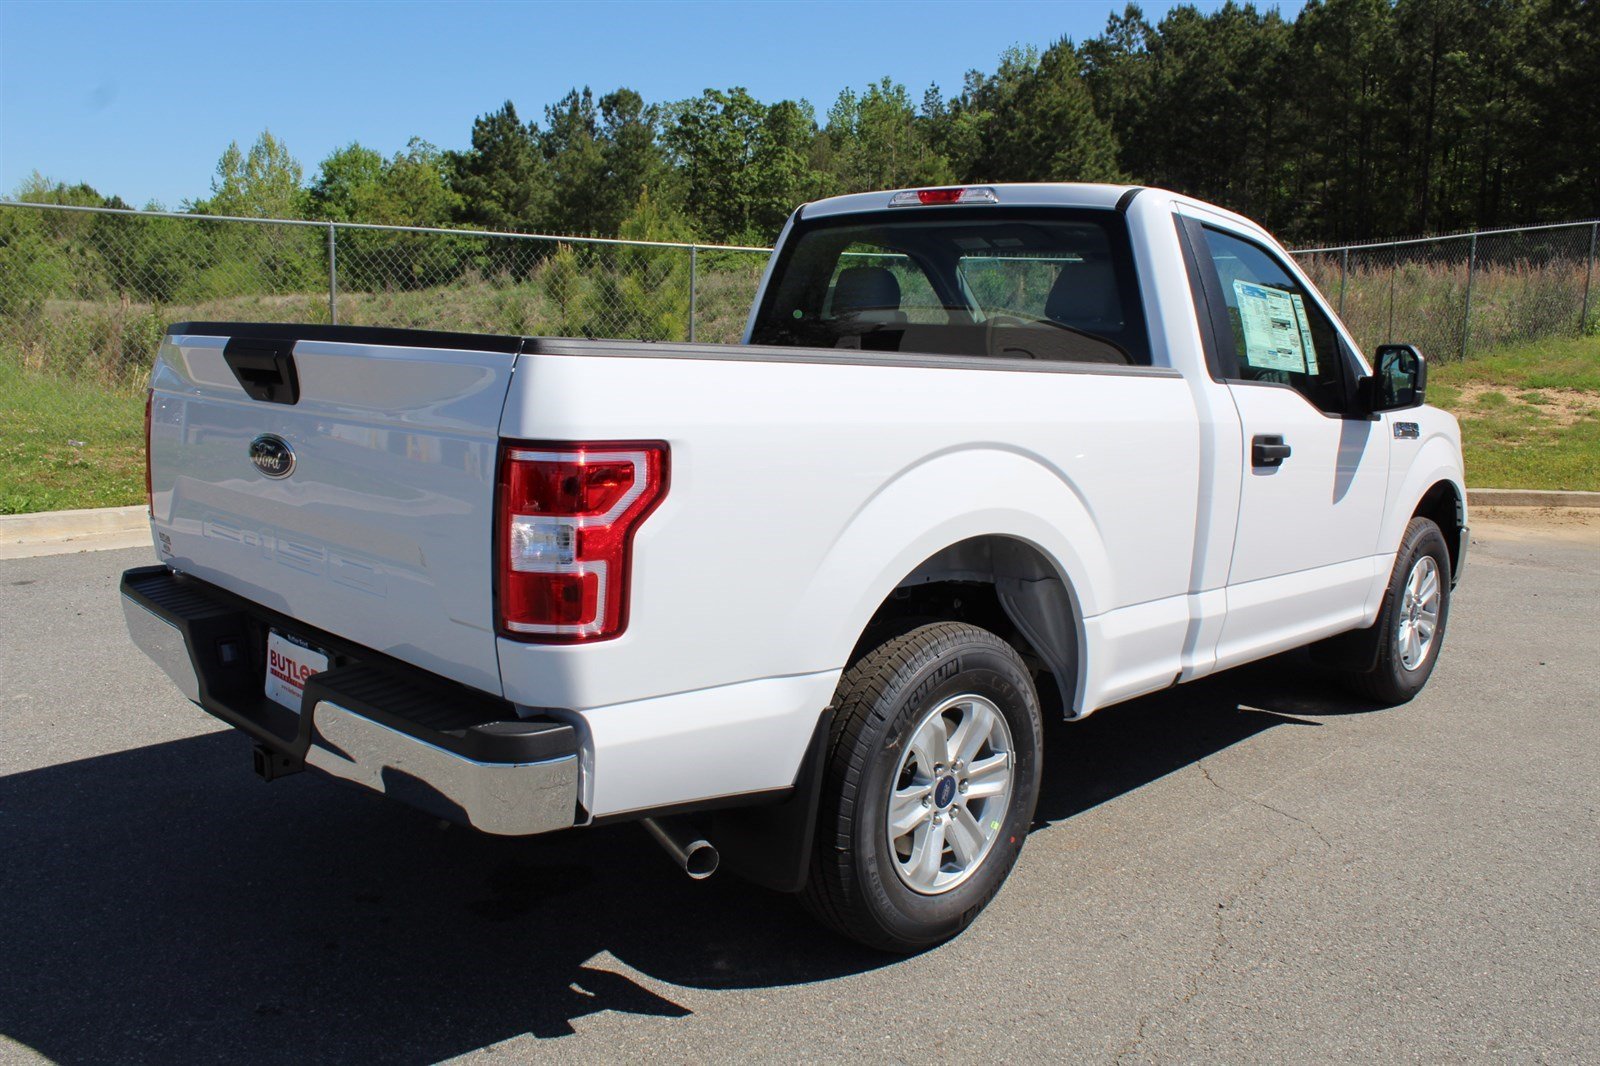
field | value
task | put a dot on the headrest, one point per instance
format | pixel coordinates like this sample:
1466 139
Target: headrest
1084 293
865 289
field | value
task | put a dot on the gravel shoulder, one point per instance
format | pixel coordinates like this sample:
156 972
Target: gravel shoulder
1580 525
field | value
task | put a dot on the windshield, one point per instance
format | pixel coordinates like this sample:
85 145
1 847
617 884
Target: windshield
1028 284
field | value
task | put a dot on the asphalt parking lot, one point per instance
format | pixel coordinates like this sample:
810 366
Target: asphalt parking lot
1255 867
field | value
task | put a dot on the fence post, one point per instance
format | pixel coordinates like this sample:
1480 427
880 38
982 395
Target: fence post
694 263
1588 276
1394 278
1466 318
333 277
1344 273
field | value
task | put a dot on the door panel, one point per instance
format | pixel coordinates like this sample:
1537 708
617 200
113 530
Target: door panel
1314 475
1308 527
1321 504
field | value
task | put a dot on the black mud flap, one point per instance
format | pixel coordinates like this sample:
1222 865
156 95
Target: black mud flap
771 845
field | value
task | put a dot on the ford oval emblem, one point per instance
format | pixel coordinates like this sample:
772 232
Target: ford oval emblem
272 455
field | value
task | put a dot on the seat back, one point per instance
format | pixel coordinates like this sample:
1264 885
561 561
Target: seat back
1085 296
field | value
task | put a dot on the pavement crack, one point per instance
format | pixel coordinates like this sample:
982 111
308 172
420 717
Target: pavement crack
1195 982
1205 772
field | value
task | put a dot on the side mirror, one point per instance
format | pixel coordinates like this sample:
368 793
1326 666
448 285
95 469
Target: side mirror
1399 379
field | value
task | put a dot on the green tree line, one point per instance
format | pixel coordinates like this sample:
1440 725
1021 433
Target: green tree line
1356 119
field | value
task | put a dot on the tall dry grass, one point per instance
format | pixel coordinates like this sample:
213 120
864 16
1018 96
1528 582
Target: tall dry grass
1425 303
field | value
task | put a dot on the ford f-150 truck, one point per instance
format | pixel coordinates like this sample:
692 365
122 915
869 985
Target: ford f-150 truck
796 603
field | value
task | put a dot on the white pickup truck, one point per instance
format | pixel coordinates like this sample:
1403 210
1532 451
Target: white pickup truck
796 603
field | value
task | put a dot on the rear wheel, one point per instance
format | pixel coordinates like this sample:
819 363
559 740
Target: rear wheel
930 785
1410 628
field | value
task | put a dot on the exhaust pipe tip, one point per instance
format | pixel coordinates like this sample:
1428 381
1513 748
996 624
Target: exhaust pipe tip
701 861
694 854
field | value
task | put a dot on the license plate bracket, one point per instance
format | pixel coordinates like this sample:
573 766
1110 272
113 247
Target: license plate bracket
290 663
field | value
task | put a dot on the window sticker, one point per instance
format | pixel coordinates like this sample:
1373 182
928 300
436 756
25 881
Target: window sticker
1274 325
1306 345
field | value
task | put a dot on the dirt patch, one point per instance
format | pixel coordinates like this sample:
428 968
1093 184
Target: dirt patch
1525 523
1563 407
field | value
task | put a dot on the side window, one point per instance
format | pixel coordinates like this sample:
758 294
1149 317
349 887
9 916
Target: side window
1280 335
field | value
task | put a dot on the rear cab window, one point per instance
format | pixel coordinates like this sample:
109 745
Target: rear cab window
1025 283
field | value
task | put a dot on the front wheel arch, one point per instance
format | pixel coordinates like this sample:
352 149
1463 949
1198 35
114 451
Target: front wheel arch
1367 659
1444 505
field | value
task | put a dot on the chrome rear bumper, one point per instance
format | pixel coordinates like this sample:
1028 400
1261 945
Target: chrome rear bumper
436 745
163 642
507 799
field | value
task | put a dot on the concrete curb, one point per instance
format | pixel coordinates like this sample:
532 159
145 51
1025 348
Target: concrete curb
1531 498
23 536
46 526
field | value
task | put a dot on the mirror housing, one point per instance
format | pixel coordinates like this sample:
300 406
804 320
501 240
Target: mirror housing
1399 380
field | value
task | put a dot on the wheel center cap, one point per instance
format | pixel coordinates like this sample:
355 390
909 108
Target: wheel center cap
944 791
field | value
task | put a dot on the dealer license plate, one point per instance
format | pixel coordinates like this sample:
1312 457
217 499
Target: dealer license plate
289 664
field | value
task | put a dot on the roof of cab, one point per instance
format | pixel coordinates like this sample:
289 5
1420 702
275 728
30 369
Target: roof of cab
1033 194
1040 194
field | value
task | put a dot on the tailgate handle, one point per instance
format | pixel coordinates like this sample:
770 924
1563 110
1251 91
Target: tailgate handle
264 367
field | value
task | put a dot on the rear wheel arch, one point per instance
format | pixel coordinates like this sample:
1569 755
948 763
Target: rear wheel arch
1001 583
986 580
921 514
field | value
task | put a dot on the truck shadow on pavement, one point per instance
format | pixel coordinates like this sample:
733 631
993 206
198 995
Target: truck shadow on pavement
161 904
1121 748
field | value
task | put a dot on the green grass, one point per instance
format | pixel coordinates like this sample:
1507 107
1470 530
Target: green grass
1552 364
1530 414
65 444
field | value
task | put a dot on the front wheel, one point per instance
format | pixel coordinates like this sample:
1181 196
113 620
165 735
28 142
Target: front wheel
929 789
1410 627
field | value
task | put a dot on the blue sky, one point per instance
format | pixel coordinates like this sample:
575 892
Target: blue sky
140 99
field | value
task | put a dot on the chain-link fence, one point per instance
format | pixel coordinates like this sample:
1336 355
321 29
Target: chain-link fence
86 293
83 290
1457 296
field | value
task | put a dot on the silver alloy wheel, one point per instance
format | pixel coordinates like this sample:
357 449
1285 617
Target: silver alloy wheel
1419 612
948 797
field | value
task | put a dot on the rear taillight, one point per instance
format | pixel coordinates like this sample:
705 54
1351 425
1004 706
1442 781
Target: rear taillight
565 523
149 496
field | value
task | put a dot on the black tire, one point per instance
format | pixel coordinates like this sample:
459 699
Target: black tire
1390 682
854 886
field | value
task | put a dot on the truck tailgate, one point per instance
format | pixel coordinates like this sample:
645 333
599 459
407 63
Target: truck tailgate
364 507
